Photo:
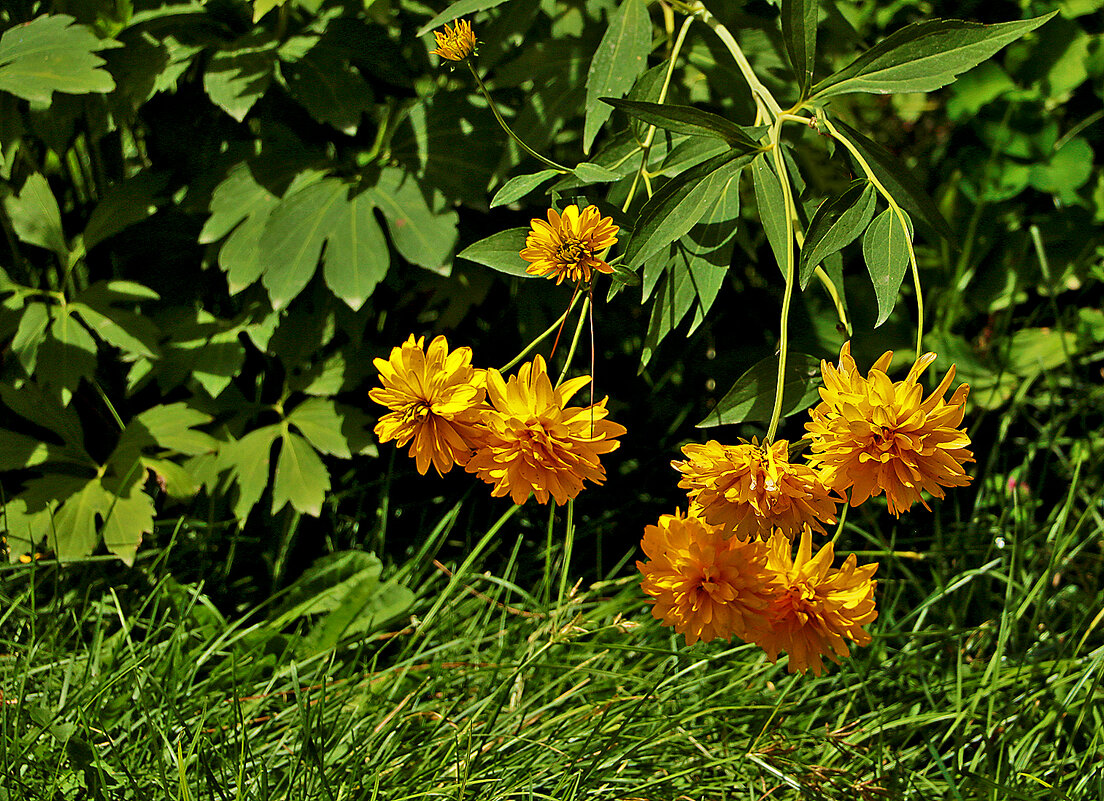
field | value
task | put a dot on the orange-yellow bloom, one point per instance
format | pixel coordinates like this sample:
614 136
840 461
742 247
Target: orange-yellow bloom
702 581
873 435
435 399
754 489
456 43
569 244
535 443
814 606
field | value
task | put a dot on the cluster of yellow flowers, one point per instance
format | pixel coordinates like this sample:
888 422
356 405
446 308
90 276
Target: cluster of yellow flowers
726 568
516 433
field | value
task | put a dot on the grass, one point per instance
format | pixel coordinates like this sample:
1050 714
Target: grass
984 680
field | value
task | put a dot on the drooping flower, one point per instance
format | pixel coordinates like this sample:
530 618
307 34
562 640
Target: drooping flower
569 244
872 434
535 443
754 488
702 581
813 606
435 399
456 43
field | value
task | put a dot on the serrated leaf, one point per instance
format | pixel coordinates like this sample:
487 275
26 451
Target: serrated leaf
319 421
898 180
126 520
35 216
73 532
52 54
772 208
799 30
329 88
422 235
235 79
519 186
357 257
31 402
752 396
687 120
24 527
621 56
456 10
836 224
679 204
124 204
172 426
66 355
500 252
885 250
248 459
240 207
924 56
301 478
18 451
30 334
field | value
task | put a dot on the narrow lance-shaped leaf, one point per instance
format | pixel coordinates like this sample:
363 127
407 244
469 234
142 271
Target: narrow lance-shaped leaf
772 208
836 224
688 120
519 186
752 396
621 56
885 249
457 10
799 29
924 56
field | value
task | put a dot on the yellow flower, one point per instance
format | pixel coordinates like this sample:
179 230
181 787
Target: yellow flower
873 435
456 43
534 442
435 399
702 581
567 246
813 606
754 489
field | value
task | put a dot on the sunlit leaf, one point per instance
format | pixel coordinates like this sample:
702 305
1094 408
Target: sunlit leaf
836 224
519 186
52 54
301 478
885 250
500 252
752 396
772 208
621 56
35 216
320 422
688 120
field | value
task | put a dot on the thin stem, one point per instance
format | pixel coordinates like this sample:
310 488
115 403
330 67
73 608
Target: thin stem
899 213
541 337
787 297
575 339
507 128
569 542
759 92
546 584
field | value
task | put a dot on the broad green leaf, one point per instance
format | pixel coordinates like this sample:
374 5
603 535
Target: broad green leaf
291 244
500 252
31 402
689 282
131 333
19 450
177 481
590 173
898 180
621 56
422 235
519 186
836 224
301 478
202 348
1035 350
124 204
172 427
679 204
772 208
24 527
74 534
52 54
924 56
752 396
248 459
66 355
799 30
688 120
126 520
329 88
885 250
1067 170
30 335
456 10
35 216
357 256
319 421
235 79
242 206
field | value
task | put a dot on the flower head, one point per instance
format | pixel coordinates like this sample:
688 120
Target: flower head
702 581
873 435
754 488
567 246
534 442
813 606
456 43
434 397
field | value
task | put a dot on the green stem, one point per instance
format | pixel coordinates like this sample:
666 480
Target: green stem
494 110
897 211
760 93
569 542
575 339
541 337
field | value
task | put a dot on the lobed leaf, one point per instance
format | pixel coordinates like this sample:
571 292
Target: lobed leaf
52 54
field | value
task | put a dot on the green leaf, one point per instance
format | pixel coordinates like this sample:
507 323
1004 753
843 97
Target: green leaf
319 421
51 54
248 459
131 333
18 451
456 10
301 478
31 402
202 348
519 186
621 56
357 257
885 250
364 608
924 56
177 481
124 204
422 235
799 30
125 520
329 88
66 355
326 584
590 173
25 527
679 204
235 79
172 427
1067 170
899 181
500 252
687 120
689 282
30 335
836 224
242 206
1035 350
73 533
772 208
752 396
35 216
